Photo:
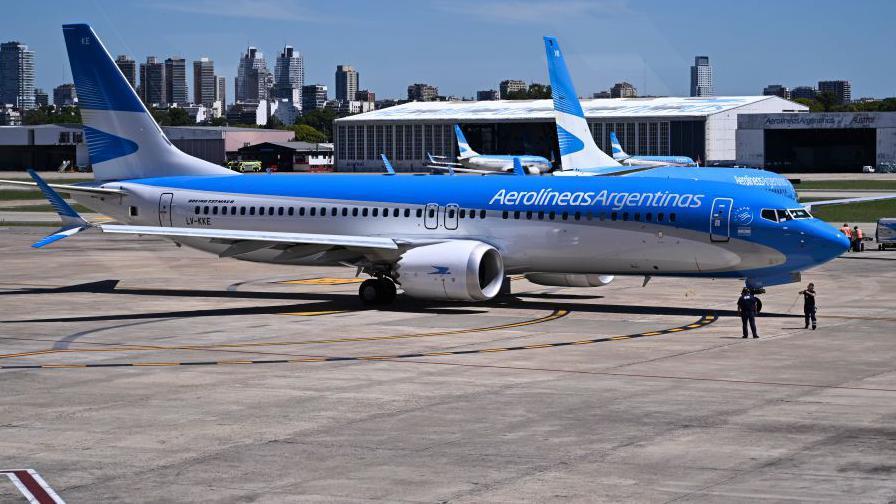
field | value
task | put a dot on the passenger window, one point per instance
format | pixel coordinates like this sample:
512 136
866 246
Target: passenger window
344 212
660 216
407 212
197 210
625 216
672 217
516 214
482 214
638 216
462 213
541 215
551 215
504 214
205 210
432 213
232 210
354 212
270 210
291 211
578 216
385 212
395 212
242 210
375 212
215 210
313 211
613 216
323 211
280 211
529 215
450 213
472 214
301 211
132 211
333 211
364 212
564 215
648 217
419 213
252 210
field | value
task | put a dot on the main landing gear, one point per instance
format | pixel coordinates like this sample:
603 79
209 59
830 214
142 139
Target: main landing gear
377 291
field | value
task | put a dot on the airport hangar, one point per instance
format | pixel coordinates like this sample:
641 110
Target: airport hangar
817 142
703 128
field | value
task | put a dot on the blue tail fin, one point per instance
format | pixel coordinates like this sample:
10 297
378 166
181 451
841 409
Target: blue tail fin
577 148
618 153
463 147
123 140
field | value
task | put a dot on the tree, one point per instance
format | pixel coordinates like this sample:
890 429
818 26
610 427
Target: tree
321 120
827 99
535 92
52 115
275 123
218 121
305 133
179 117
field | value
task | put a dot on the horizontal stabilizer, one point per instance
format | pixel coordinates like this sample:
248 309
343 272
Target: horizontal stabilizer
72 223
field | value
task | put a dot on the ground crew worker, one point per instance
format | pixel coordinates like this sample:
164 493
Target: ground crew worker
845 229
857 236
747 308
809 304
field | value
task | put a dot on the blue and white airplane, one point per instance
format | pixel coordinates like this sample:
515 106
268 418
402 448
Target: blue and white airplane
441 238
470 161
622 157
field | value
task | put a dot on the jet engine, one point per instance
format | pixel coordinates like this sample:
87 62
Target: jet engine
569 279
462 270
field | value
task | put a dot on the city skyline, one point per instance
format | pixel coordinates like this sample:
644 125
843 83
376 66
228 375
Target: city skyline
658 49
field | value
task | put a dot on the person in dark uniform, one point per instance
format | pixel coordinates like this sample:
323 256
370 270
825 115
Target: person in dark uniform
747 307
809 304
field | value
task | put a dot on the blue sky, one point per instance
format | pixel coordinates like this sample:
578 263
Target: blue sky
465 45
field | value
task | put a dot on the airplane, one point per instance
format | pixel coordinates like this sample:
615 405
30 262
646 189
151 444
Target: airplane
437 238
622 157
470 161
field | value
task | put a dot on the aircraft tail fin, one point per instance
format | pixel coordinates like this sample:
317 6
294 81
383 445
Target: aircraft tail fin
577 148
387 165
123 140
618 153
463 147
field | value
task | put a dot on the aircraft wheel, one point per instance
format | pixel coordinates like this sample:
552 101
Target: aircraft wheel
388 291
369 291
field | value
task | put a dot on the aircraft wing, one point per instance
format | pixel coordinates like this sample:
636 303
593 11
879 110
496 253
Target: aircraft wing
809 205
468 170
65 187
270 238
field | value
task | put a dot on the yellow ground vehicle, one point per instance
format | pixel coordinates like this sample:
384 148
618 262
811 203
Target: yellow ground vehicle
245 166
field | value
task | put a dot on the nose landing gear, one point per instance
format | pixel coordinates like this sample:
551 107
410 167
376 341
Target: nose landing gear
377 291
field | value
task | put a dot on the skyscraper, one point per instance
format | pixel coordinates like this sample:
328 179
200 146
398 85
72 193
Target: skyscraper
804 92
841 89
176 81
253 79
64 95
346 82
221 92
152 82
289 76
16 75
129 68
314 97
41 98
204 82
701 77
487 94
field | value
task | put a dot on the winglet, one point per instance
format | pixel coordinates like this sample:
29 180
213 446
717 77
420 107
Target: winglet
388 165
72 223
518 167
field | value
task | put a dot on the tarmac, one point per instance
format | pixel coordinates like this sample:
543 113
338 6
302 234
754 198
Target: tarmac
133 370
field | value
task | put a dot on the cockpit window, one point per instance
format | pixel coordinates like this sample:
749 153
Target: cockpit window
782 215
769 214
800 213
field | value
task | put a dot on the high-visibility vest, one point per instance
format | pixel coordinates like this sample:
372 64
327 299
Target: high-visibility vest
847 231
859 235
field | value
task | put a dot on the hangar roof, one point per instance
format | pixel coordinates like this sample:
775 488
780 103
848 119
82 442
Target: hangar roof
543 109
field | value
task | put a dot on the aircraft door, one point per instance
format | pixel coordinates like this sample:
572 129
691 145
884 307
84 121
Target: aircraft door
450 216
165 209
431 216
720 220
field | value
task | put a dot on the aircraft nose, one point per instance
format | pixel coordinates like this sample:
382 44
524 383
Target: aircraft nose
827 241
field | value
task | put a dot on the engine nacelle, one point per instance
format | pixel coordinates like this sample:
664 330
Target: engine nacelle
462 270
569 279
